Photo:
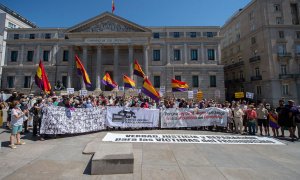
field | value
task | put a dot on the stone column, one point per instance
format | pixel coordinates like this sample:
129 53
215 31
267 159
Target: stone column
98 68
146 59
54 54
168 54
130 61
71 63
22 55
84 63
185 53
219 54
38 52
202 54
116 64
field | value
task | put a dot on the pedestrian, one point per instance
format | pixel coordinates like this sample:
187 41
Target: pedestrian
37 118
17 117
282 112
273 119
297 121
238 114
262 116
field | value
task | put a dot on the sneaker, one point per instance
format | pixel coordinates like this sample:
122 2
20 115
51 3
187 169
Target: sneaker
21 143
12 146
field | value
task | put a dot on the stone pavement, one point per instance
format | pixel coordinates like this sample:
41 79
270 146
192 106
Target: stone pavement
62 158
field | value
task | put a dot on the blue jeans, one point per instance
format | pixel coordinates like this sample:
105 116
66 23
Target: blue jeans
251 127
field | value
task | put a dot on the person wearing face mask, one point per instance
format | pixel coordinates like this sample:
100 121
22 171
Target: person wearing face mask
262 115
88 104
16 123
24 108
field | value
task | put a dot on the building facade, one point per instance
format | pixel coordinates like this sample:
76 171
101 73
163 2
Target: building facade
9 20
109 44
261 51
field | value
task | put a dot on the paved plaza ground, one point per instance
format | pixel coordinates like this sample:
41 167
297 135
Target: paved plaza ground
62 158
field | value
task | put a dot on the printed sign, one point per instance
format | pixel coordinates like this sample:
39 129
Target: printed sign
70 90
121 88
83 92
249 95
190 138
61 120
173 118
190 94
239 95
132 117
162 89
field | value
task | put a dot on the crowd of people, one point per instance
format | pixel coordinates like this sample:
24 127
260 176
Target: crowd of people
243 118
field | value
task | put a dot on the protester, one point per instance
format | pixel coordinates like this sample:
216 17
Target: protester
252 118
238 114
262 116
282 112
37 118
273 119
17 117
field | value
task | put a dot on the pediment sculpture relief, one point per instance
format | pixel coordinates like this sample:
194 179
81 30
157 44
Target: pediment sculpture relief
109 26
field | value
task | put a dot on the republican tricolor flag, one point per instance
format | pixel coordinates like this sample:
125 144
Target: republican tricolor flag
113 6
82 72
179 86
128 82
138 70
41 79
107 81
149 90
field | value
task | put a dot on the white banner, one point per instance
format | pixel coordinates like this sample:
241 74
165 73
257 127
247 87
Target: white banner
70 90
190 138
61 120
132 117
190 94
172 118
249 95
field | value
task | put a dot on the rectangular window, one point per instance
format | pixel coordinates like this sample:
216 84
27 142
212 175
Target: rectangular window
257 72
285 89
16 36
251 15
194 54
176 35
213 81
258 90
46 55
277 7
298 34
156 35
156 81
241 75
31 36
233 75
177 77
281 49
29 56
209 34
193 34
47 36
27 81
279 20
211 54
64 80
283 69
253 40
298 50
295 14
177 55
195 81
65 55
281 34
14 56
10 81
156 55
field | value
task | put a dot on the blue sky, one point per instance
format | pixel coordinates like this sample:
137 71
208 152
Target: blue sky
66 13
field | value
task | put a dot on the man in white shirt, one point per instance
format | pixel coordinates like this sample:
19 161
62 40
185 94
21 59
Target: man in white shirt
238 114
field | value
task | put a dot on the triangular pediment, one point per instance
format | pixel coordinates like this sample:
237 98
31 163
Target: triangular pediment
107 22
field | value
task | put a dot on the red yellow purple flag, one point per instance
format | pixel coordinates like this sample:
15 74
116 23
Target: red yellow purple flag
82 72
138 70
128 82
107 81
41 79
113 6
149 90
179 86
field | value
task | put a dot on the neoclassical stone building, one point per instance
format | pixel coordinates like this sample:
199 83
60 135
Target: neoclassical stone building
109 43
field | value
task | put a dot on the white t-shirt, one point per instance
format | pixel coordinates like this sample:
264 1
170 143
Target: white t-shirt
14 120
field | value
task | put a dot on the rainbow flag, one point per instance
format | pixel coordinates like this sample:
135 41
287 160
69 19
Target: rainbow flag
82 72
128 82
107 81
179 86
41 79
149 90
273 120
138 70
